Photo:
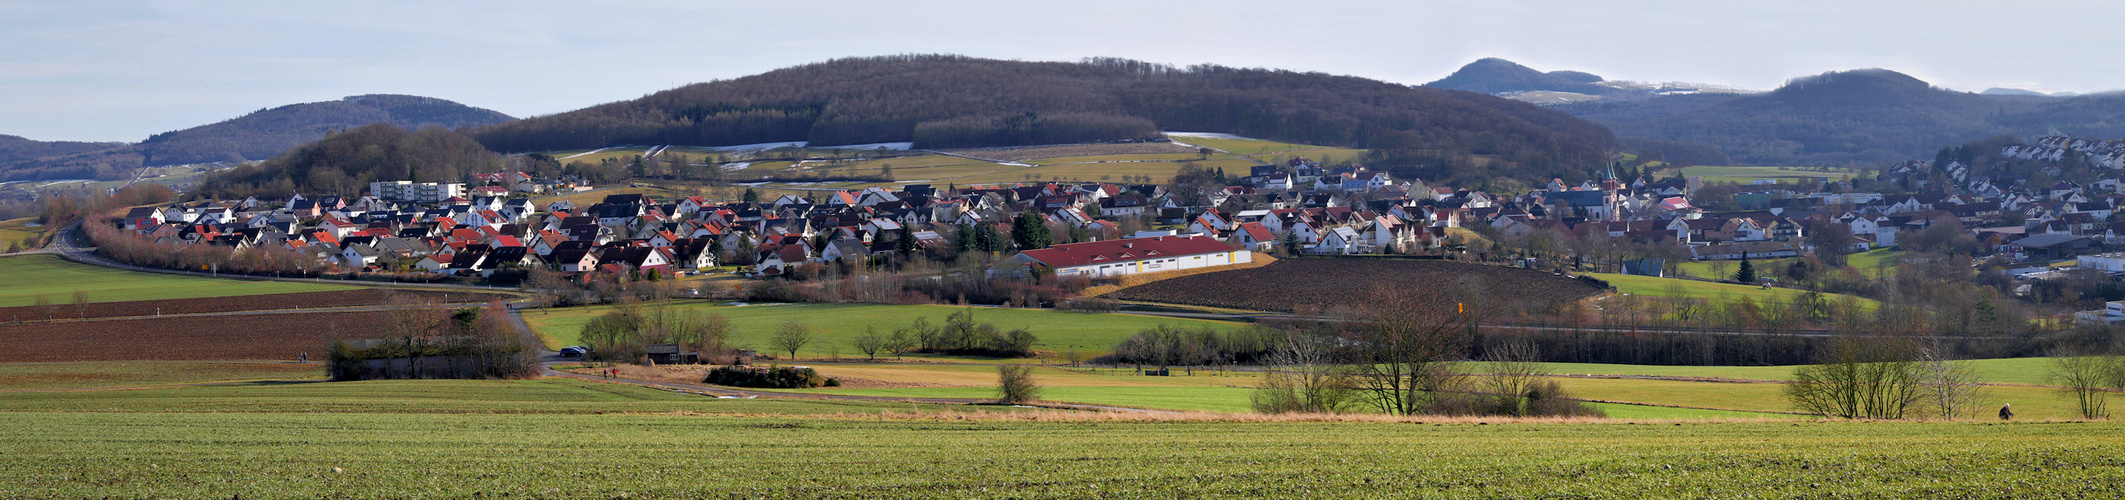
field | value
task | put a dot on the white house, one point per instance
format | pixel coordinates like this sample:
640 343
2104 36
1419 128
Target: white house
1126 256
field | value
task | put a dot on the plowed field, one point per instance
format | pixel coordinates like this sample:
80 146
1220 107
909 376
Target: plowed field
1291 284
278 301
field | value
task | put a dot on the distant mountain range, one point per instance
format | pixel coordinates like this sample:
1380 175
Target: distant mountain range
255 136
1847 117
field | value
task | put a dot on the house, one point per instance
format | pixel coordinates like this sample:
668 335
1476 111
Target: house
2053 246
573 260
1254 236
1126 256
1341 240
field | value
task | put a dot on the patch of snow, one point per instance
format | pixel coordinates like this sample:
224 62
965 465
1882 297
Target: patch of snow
592 152
736 166
760 146
1207 135
1014 164
895 146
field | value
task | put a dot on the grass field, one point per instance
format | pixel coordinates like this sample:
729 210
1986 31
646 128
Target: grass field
1746 175
834 325
29 276
1864 262
1670 287
20 230
547 439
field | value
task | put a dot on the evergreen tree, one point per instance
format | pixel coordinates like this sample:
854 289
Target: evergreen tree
906 245
1747 273
752 196
1030 231
964 238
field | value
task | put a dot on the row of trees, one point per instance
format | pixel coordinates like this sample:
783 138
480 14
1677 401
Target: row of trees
130 247
418 340
626 333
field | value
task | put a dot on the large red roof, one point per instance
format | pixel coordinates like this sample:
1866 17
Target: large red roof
1126 250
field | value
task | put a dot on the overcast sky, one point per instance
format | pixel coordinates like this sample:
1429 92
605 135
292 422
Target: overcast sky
120 70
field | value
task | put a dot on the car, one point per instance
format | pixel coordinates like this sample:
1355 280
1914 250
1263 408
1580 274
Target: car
574 351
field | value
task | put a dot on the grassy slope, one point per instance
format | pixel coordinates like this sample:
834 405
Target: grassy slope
1667 287
18 230
290 452
29 276
834 325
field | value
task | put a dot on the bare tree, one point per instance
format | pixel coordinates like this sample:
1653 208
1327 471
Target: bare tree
1407 342
870 343
790 337
1951 386
1303 377
1015 384
81 304
44 306
901 342
1860 377
2081 377
1513 369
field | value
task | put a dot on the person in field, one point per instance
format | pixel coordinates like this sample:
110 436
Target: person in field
2007 411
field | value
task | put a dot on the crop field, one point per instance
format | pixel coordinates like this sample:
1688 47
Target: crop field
185 338
834 325
592 197
18 377
1273 152
323 440
19 230
1671 287
1746 175
65 309
30 276
1292 283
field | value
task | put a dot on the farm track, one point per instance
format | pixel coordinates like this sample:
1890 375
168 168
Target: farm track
279 303
547 370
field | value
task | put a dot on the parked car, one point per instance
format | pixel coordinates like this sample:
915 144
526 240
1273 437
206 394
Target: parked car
574 351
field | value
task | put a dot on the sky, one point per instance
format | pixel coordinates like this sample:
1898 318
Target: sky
120 70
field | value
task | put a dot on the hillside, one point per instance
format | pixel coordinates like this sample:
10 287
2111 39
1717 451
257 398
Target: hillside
255 136
1492 75
344 163
267 132
939 101
1861 116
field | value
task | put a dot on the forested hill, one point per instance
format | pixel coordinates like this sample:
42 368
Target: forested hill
1492 75
267 132
255 136
344 163
951 101
1863 116
14 148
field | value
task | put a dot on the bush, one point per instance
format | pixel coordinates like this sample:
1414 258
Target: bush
1014 384
767 378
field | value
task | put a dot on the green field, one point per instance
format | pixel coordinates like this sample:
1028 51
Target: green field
1745 175
67 376
1864 262
1670 287
574 439
1273 152
834 325
19 230
29 276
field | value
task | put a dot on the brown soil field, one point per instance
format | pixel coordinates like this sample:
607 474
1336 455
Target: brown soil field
192 338
306 300
1038 152
1318 283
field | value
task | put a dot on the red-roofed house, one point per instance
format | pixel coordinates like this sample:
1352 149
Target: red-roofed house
1127 256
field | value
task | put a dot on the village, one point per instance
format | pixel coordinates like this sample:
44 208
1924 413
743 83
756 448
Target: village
1101 230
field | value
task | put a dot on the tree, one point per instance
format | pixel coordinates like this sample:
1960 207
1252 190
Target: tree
790 337
901 342
905 246
1513 368
2081 377
1303 377
81 304
1411 340
43 305
1015 384
1952 387
1202 153
1747 273
752 196
1030 231
1860 377
870 342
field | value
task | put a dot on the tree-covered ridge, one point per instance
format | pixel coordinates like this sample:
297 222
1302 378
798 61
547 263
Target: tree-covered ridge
268 132
1492 75
965 101
1862 116
16 148
344 163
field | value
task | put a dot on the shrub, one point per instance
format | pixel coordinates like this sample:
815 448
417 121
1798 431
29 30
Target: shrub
767 378
1015 385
